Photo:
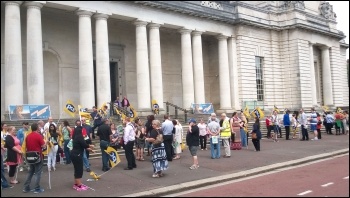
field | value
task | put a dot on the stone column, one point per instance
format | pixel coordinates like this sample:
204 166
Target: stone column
232 57
35 65
155 64
224 74
13 54
326 77
312 76
187 70
199 94
86 65
142 68
103 83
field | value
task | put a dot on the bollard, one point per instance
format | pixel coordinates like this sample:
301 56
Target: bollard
175 112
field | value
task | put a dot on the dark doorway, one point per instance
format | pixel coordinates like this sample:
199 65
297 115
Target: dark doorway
113 69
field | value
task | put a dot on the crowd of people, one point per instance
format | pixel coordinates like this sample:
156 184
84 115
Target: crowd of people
162 141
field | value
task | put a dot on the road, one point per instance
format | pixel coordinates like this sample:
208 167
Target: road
328 178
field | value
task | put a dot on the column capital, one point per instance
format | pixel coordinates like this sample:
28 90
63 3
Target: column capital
154 25
221 37
34 4
311 43
324 47
17 3
197 33
185 31
84 13
140 23
101 16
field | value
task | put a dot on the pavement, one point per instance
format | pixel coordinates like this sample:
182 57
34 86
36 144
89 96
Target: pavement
139 181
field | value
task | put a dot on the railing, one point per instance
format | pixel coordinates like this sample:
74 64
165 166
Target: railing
176 110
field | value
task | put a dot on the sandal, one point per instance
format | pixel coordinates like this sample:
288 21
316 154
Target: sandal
193 167
141 159
14 182
155 175
175 158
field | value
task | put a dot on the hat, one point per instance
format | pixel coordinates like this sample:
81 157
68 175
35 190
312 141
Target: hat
192 120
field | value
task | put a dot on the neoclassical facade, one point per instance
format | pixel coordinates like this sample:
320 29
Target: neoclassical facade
284 53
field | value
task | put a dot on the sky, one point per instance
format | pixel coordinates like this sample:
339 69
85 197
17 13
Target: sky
341 9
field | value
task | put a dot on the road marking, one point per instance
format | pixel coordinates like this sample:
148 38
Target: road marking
327 184
304 193
347 177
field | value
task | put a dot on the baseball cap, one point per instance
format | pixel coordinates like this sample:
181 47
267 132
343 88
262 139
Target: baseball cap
192 120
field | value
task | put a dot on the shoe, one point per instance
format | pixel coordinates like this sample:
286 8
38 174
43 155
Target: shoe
26 190
88 170
206 149
14 182
54 169
21 169
194 167
225 156
7 187
40 190
81 188
155 175
160 174
127 168
202 149
105 169
134 166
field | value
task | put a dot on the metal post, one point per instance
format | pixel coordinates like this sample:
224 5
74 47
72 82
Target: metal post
185 116
175 112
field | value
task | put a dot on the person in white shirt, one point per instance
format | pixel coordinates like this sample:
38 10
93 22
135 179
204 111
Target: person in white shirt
275 122
129 141
49 121
303 122
202 134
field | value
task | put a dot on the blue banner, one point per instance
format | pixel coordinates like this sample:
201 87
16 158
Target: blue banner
29 112
205 108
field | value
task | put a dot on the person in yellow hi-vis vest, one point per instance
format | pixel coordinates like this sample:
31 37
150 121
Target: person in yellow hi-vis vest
225 134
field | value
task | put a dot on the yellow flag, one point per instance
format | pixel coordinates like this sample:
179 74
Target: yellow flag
325 108
70 108
84 114
257 112
339 110
102 111
24 144
246 111
155 107
276 109
132 113
113 156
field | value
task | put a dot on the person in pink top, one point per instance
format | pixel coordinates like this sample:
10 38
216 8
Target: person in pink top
202 134
14 153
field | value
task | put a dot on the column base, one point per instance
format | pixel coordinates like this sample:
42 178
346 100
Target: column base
144 112
225 110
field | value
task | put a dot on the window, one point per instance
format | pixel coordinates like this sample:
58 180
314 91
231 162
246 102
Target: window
259 61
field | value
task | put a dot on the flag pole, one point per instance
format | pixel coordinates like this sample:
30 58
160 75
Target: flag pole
59 118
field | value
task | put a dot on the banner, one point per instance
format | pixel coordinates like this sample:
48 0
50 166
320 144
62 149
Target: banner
83 113
257 112
205 108
70 108
155 107
29 112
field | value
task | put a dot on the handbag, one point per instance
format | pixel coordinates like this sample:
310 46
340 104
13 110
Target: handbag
214 139
254 136
33 157
70 144
159 139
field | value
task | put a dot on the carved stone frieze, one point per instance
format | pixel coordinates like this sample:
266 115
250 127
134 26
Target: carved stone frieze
212 4
294 4
326 10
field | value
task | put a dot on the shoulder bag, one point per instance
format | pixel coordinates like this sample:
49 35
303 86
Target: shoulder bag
159 140
32 157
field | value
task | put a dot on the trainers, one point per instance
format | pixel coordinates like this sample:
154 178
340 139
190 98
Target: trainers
26 190
21 169
88 170
155 175
194 167
7 187
81 188
40 190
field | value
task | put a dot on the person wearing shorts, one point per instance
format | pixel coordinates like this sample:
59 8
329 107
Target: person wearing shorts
192 140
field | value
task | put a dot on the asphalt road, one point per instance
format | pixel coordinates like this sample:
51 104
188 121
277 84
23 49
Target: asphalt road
326 178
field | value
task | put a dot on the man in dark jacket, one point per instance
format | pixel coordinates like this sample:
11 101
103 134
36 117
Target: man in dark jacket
192 140
286 123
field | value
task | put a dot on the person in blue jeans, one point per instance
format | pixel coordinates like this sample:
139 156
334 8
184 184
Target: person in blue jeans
4 183
105 133
214 130
66 130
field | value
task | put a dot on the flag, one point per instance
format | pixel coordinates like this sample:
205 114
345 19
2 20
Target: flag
70 108
94 175
339 110
246 111
325 108
24 144
155 107
83 113
276 109
113 156
257 112
102 110
132 113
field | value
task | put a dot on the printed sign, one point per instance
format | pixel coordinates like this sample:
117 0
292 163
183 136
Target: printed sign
29 112
205 108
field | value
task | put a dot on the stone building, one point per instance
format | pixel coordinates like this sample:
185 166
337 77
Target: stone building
284 53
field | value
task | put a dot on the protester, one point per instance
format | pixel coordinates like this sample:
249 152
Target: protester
214 133
35 142
105 134
256 130
202 134
129 141
192 140
77 153
140 139
4 182
159 158
167 129
177 138
14 153
53 139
